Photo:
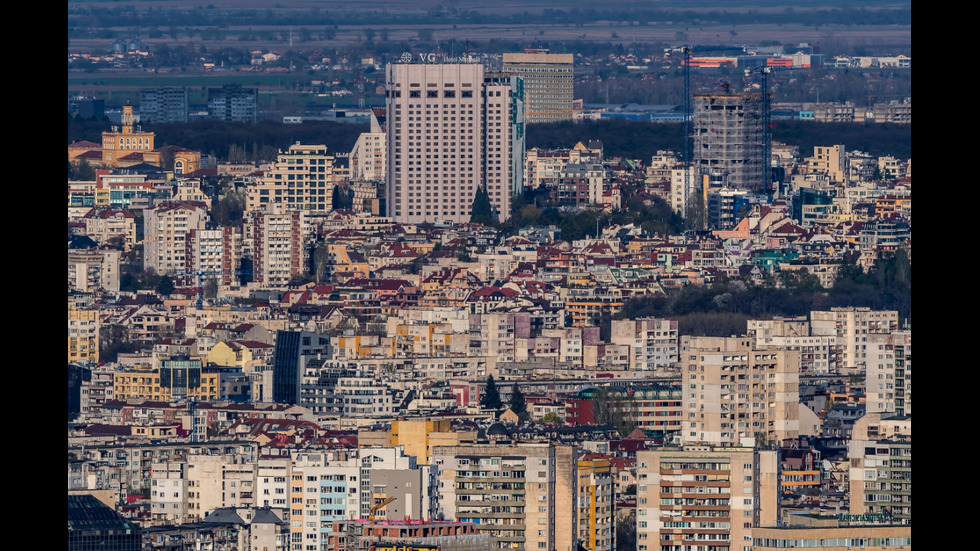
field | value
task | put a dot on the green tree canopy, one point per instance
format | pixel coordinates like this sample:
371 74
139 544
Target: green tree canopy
491 395
518 405
165 286
481 212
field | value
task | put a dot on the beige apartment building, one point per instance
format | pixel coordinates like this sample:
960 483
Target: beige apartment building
851 326
548 83
523 495
889 373
450 130
737 394
302 178
703 498
277 243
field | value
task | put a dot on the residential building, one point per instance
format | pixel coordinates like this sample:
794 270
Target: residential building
548 83
108 224
277 243
523 495
889 373
166 226
179 377
214 254
728 138
163 104
737 394
302 178
704 498
83 334
851 326
232 103
830 160
596 507
653 342
368 158
880 477
450 130
93 269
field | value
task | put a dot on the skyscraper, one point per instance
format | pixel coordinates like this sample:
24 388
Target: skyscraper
163 104
450 130
548 83
728 132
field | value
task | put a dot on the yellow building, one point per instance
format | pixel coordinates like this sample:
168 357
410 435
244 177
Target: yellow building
177 377
120 142
597 504
83 335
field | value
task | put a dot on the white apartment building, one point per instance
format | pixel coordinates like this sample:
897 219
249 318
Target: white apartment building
277 243
368 157
165 228
450 130
215 254
889 373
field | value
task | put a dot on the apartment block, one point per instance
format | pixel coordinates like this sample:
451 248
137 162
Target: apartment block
450 130
301 179
214 254
368 158
93 269
880 476
548 83
166 226
83 334
830 160
232 103
653 342
163 104
107 224
524 495
851 326
277 243
889 373
596 508
703 498
736 394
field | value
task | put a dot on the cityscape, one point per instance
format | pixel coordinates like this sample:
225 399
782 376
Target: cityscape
411 276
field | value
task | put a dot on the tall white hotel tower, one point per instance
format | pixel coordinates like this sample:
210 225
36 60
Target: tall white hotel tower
451 128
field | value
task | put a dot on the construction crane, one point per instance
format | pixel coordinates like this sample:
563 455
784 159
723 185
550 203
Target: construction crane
378 507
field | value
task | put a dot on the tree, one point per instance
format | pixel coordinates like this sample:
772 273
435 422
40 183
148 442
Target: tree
481 212
612 408
321 261
626 533
211 288
84 171
165 286
551 418
518 405
491 395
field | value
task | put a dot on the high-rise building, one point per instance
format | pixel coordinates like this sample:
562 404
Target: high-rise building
734 392
301 178
522 495
451 130
548 83
166 228
889 373
163 104
232 103
704 499
277 243
728 131
851 326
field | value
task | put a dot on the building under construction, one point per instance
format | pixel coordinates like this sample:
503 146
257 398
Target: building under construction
728 139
